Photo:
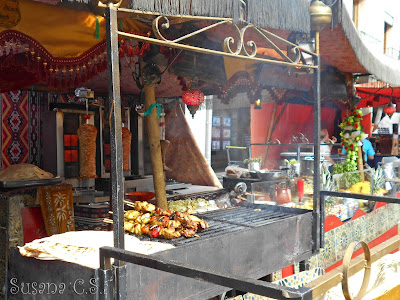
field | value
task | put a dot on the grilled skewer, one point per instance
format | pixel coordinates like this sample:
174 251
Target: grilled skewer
150 220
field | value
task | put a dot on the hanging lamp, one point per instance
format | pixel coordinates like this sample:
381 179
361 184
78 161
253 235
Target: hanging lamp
390 109
193 98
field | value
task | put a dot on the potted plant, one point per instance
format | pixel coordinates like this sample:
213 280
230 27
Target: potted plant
253 163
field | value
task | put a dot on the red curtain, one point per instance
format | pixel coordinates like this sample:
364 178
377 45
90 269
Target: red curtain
295 119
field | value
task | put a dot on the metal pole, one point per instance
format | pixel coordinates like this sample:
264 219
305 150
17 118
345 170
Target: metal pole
317 226
209 113
298 153
317 43
117 185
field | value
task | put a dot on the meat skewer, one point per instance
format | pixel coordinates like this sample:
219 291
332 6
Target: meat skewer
155 222
87 150
126 148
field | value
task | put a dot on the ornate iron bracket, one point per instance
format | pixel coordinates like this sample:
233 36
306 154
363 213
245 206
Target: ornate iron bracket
237 47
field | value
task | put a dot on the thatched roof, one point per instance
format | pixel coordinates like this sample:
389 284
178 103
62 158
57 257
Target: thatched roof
292 15
382 66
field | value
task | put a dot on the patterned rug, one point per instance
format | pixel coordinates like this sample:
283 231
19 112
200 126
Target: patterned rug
20 127
34 114
15 147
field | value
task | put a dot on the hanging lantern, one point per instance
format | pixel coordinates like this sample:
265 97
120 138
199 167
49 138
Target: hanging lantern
193 99
390 110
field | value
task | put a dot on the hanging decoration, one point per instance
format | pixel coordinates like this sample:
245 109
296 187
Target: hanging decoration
21 51
352 137
390 109
238 83
193 99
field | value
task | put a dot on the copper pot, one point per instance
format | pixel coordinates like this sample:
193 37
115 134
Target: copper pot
283 195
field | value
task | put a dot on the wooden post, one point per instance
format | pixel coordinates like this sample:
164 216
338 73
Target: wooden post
349 78
153 135
151 76
360 164
395 145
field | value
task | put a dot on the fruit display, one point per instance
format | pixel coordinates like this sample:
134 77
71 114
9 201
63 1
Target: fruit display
351 137
379 182
362 187
308 186
155 222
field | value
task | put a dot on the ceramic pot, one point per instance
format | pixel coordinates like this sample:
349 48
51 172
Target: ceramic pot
283 195
254 166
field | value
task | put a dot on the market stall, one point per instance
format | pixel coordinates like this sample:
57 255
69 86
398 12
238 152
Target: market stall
117 194
247 233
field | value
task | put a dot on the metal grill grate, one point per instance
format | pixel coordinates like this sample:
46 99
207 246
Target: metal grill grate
243 216
233 219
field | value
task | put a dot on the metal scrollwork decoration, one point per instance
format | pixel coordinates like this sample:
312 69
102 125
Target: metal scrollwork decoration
230 40
294 53
156 25
240 45
237 45
249 43
166 25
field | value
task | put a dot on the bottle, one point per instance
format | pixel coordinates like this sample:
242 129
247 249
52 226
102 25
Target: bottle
300 188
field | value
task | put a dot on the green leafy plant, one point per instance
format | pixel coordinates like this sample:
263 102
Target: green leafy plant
252 160
291 162
347 179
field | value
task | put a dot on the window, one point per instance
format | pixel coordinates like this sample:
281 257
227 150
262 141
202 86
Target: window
356 6
386 47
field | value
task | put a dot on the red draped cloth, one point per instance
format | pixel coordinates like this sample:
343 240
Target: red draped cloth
183 155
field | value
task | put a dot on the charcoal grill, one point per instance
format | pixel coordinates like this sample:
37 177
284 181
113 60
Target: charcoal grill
241 241
233 219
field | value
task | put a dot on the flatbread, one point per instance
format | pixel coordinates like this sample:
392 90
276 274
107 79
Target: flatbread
23 172
82 247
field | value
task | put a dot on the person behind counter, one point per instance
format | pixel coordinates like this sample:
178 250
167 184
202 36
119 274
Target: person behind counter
368 149
326 148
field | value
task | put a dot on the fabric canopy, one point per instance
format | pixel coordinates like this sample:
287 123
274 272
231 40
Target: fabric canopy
375 97
65 32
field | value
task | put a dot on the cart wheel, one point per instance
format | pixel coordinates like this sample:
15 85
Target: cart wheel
346 271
